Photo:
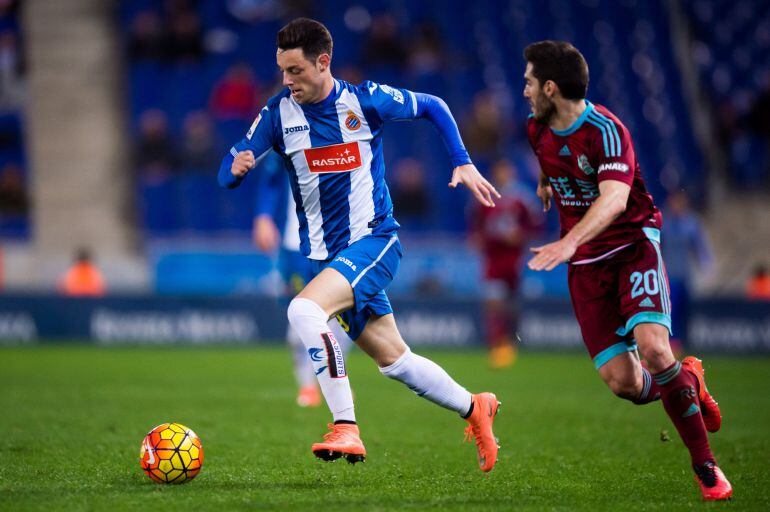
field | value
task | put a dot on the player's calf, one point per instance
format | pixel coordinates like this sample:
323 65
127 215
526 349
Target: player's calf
627 387
627 379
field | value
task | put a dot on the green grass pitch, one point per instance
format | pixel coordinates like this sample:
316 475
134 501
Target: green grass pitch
72 419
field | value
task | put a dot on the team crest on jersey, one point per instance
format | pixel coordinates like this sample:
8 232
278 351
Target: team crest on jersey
584 165
352 122
335 158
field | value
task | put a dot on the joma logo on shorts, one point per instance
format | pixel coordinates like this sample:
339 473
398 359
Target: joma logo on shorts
347 262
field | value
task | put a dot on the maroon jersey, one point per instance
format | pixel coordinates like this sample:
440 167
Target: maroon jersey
595 148
504 230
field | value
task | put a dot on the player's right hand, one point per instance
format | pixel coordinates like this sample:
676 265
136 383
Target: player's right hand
545 193
243 163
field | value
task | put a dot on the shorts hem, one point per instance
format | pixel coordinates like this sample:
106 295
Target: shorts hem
612 351
652 317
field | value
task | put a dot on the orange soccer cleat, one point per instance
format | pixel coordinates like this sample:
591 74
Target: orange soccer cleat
712 417
713 484
309 396
485 407
343 441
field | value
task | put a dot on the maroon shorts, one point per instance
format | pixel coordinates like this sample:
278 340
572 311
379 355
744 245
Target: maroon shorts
612 296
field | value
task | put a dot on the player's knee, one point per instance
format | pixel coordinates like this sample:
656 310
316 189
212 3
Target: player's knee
301 308
654 347
393 365
389 357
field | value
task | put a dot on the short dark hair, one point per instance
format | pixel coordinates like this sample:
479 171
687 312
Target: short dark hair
311 36
561 63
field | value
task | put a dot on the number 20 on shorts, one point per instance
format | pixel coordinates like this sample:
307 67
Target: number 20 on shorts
644 283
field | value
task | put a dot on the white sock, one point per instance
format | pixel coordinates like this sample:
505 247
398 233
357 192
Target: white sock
303 369
310 322
429 380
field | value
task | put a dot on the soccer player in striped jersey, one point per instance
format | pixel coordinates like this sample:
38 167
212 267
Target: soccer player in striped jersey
328 133
610 236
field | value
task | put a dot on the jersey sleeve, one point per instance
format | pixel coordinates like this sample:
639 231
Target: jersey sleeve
259 140
392 104
615 151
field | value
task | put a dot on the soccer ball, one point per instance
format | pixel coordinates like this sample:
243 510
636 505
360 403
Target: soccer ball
171 454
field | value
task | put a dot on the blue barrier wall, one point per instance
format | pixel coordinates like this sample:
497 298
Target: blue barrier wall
732 326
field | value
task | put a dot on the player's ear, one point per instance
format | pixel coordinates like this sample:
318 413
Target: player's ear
550 88
323 62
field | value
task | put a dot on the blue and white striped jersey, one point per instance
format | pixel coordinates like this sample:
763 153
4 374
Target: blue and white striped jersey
333 153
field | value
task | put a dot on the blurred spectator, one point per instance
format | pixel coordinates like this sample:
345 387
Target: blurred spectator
426 51
411 200
13 195
486 128
9 8
10 132
83 279
758 287
250 11
501 234
687 254
154 153
12 87
236 95
146 39
185 41
201 151
384 47
759 114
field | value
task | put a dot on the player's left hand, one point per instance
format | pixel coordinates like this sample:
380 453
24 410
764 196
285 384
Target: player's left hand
548 256
469 176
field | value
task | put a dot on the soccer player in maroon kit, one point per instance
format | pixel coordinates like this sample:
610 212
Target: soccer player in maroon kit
610 236
501 234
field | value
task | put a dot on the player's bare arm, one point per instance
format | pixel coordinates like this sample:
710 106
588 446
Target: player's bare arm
544 192
613 196
469 176
243 163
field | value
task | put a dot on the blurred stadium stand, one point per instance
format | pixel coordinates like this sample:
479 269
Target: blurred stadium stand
194 73
14 196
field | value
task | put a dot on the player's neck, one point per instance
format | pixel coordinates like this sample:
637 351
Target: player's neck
567 112
327 88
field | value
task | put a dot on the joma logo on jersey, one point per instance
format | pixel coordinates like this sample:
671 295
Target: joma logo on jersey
613 166
295 129
337 158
